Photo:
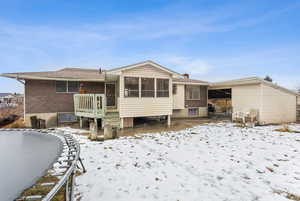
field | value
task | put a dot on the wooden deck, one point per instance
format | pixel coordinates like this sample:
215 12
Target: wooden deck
90 105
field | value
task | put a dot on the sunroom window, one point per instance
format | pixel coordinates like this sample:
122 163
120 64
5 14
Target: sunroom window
162 87
147 87
131 87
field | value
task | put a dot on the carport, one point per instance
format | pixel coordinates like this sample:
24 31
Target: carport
219 102
272 103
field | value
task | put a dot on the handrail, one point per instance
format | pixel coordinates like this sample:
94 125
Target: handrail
90 105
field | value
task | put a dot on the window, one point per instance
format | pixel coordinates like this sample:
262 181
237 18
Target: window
61 86
147 87
192 92
131 87
73 87
67 86
193 111
162 86
174 89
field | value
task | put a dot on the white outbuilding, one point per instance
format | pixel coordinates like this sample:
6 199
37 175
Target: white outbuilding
275 104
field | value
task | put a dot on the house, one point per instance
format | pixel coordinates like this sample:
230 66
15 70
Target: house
9 99
115 96
274 104
146 89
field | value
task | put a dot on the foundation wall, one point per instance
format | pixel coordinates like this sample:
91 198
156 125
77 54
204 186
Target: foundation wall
184 113
51 119
128 122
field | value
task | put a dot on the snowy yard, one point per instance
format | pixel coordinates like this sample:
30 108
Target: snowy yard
207 162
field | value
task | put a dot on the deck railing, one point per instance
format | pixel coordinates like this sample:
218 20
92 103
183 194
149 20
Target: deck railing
90 105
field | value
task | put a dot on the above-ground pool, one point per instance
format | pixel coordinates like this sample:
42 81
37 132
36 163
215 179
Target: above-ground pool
24 158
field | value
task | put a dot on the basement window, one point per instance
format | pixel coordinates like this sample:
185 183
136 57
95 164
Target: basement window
147 87
131 87
162 86
193 111
67 86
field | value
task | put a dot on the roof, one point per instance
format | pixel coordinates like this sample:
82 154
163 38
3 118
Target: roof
250 81
189 81
80 74
144 63
76 74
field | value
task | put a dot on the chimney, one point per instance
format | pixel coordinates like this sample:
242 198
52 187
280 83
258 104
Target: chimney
186 76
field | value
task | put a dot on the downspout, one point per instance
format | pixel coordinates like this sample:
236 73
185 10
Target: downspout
24 112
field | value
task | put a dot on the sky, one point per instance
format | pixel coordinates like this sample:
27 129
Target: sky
212 40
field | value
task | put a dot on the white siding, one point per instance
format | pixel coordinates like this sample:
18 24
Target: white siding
277 106
139 107
146 71
178 98
245 98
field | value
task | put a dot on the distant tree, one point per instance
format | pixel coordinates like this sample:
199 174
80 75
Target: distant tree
268 78
298 89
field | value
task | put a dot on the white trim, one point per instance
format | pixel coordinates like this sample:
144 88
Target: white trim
16 76
190 83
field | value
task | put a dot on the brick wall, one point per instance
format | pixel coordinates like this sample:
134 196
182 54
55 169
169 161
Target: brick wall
41 96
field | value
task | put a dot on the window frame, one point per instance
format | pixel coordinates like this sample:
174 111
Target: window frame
168 89
138 87
67 87
153 96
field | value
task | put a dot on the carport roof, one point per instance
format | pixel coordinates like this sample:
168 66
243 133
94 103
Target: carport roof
189 81
249 81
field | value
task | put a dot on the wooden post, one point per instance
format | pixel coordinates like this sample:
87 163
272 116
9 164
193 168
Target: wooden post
94 129
169 120
96 125
81 122
122 123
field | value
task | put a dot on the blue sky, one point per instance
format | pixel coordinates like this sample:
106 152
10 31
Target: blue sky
213 40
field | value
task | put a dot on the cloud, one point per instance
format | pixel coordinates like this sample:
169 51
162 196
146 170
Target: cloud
196 67
123 39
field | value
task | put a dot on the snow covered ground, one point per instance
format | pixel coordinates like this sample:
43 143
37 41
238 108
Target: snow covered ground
207 162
